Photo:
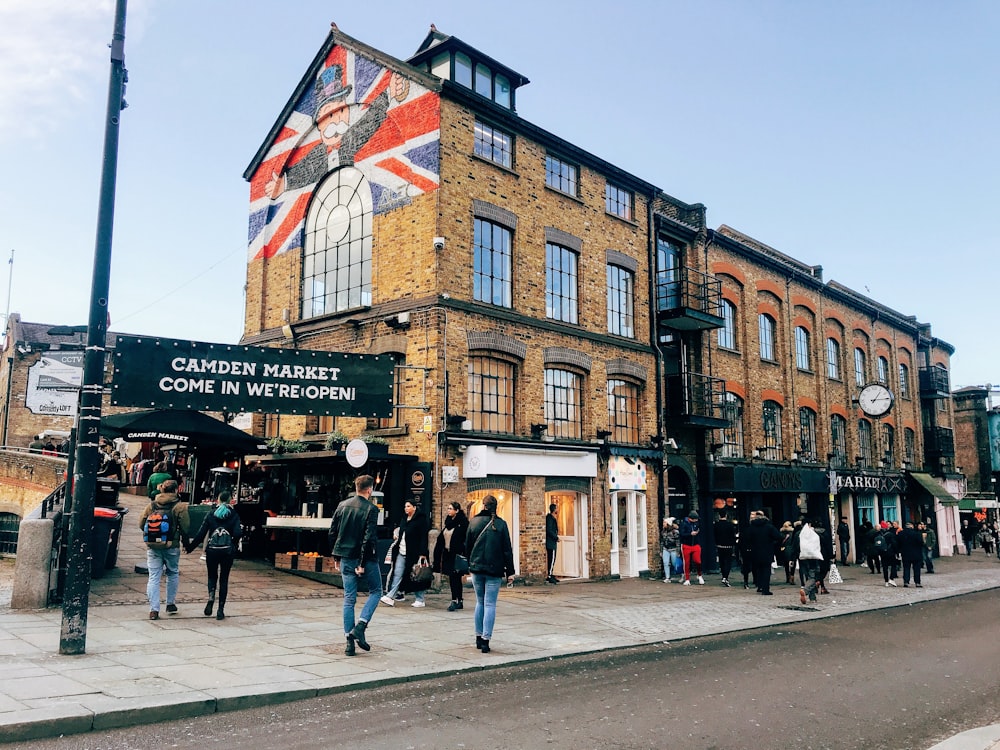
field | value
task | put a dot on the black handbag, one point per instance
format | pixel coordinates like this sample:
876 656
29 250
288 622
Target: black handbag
461 565
421 576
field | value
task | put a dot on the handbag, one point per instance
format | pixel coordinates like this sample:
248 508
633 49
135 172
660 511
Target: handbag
421 575
461 565
834 575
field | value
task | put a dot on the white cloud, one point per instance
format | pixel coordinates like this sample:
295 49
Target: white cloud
52 55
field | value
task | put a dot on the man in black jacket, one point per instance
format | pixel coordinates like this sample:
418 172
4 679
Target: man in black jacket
353 533
551 544
763 540
725 543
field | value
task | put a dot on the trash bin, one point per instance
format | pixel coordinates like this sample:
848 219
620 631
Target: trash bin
107 523
197 515
106 492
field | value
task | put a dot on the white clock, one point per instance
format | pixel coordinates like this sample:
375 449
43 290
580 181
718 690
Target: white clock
875 400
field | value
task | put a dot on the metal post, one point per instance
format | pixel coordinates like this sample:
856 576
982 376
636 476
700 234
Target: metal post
73 636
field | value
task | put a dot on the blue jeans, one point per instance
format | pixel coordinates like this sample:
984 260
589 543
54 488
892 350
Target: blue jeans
928 560
487 590
669 556
373 577
156 561
398 568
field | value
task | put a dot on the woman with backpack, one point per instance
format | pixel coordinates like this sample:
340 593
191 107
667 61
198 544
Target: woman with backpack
223 530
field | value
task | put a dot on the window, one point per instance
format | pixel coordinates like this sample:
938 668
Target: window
765 324
272 425
397 395
727 334
491 280
501 91
833 359
807 434
909 447
618 201
560 175
623 411
494 145
325 425
904 381
889 441
484 81
563 399
668 274
801 348
560 283
463 70
337 260
491 394
621 301
865 448
883 370
860 368
838 441
732 436
772 430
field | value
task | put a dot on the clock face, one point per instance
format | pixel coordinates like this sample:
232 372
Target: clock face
875 400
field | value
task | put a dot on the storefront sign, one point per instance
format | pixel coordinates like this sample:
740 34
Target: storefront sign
54 383
769 479
168 373
880 483
626 473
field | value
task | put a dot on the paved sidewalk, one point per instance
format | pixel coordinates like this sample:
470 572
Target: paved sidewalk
282 640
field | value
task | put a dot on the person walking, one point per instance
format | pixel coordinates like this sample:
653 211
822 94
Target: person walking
746 554
223 530
930 542
764 538
787 532
725 544
690 534
162 471
885 545
669 547
872 551
810 552
167 528
844 539
491 562
409 548
911 550
551 544
826 543
449 544
353 535
968 535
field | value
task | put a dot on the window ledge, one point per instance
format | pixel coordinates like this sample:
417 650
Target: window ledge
557 191
498 165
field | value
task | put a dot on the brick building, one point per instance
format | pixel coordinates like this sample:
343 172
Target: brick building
564 331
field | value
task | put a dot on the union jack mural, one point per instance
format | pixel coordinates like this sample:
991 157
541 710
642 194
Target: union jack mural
358 113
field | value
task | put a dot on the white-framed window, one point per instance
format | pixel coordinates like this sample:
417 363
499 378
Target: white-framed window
833 359
802 348
494 144
727 333
561 175
621 301
766 329
904 381
883 370
860 367
618 201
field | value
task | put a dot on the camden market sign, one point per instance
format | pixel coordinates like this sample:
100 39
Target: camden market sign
174 374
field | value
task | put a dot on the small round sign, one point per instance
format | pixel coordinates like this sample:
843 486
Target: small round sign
356 453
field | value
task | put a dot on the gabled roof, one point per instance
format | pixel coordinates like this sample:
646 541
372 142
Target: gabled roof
436 42
335 38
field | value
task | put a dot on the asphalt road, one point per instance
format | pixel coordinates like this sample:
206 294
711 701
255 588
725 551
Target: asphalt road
897 679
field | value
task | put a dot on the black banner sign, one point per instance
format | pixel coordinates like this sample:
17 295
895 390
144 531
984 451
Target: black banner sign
169 373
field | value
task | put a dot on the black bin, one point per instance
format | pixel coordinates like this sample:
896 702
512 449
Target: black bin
107 524
106 492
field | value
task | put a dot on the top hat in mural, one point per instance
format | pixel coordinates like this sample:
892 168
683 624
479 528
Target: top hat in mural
330 87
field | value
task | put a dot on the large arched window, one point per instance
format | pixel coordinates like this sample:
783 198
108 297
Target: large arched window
563 403
623 411
337 261
802 348
904 381
833 359
865 447
491 394
838 441
807 434
860 367
909 447
766 329
883 370
889 443
727 334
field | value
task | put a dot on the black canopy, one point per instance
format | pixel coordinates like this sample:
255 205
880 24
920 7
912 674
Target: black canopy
182 426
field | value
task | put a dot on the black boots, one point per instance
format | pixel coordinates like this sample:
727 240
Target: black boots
479 642
358 634
210 603
483 644
220 615
349 650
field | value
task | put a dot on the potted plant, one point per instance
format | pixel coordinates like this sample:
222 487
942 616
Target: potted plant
281 445
336 441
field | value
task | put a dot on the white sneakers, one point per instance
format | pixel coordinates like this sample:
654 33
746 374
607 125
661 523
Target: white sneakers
418 603
701 581
687 582
388 600
890 582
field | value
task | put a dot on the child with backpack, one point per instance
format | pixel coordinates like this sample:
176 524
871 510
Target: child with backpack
223 530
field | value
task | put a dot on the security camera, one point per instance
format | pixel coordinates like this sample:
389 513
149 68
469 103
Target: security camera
462 448
439 243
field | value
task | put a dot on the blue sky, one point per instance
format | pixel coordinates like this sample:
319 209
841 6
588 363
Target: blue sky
859 136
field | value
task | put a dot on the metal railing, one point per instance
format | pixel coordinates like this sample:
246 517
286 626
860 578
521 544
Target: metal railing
934 381
689 288
692 394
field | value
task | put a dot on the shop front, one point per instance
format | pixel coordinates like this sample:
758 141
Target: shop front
784 492
865 498
938 504
526 480
629 535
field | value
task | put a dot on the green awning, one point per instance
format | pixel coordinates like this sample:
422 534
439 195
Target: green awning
978 501
929 485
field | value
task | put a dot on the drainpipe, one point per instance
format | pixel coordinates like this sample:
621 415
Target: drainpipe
662 486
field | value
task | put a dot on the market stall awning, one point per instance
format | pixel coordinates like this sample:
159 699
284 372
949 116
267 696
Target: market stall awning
978 501
184 427
933 488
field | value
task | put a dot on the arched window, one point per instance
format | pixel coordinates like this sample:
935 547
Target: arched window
909 447
865 448
904 381
337 261
623 411
883 370
838 441
889 443
833 359
771 418
491 394
727 334
860 367
802 348
563 403
732 436
807 434
765 324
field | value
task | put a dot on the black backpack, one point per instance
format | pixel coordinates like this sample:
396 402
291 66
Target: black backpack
221 539
880 543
